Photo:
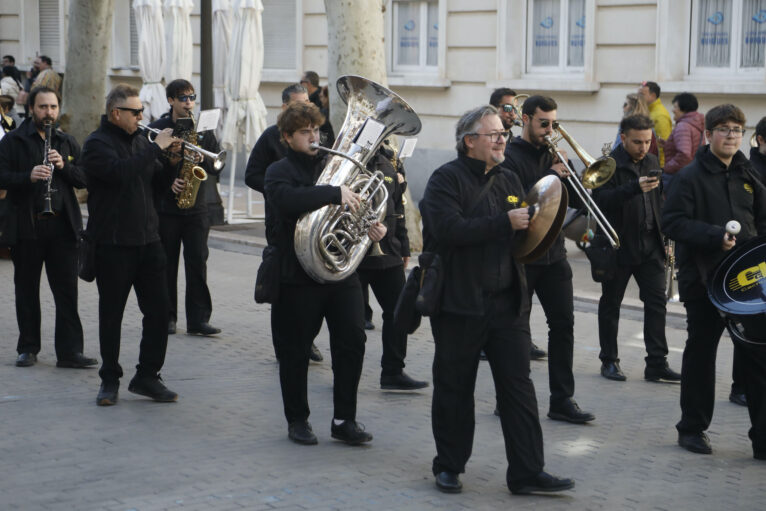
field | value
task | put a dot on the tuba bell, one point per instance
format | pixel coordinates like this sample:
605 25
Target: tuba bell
331 242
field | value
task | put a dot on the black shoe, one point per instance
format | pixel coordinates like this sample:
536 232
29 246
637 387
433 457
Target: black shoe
665 374
315 354
482 355
26 360
201 329
542 482
738 398
350 432
612 371
171 327
107 394
695 442
369 325
536 353
569 411
448 482
78 361
401 381
300 432
152 386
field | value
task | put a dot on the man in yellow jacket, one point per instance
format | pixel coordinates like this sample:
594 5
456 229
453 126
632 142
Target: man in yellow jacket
660 116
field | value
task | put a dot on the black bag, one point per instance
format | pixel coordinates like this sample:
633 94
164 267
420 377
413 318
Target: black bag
406 317
602 257
431 281
267 279
86 258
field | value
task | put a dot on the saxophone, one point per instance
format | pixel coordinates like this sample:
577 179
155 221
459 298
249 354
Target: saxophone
191 173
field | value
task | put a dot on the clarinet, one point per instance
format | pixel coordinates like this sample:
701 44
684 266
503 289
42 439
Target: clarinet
48 206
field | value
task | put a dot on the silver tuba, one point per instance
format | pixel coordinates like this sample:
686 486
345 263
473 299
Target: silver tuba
331 241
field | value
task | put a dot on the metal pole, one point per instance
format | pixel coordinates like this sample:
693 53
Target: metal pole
206 54
230 208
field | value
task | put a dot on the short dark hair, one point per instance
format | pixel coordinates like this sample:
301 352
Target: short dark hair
724 113
119 92
635 122
39 90
687 102
760 128
295 88
653 87
544 103
9 71
298 116
46 59
312 78
11 58
178 87
498 94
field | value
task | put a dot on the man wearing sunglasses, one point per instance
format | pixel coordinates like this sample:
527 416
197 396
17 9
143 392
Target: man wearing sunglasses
550 276
189 226
720 185
124 171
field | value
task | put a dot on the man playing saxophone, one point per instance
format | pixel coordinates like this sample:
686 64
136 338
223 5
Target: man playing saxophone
187 222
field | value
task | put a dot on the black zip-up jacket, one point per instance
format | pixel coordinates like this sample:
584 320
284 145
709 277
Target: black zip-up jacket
267 150
395 244
473 240
291 192
165 200
123 173
531 164
20 151
701 199
622 202
758 161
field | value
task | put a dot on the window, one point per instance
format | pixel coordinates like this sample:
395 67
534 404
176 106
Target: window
280 41
124 39
728 35
50 30
415 36
556 35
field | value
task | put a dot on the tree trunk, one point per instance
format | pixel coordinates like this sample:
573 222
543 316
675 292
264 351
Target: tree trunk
355 46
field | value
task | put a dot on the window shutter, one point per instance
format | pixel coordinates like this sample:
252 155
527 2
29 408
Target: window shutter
279 34
50 30
133 36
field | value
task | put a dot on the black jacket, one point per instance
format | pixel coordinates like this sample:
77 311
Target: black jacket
531 164
758 161
701 199
290 192
20 151
165 200
395 244
622 202
267 150
123 173
473 240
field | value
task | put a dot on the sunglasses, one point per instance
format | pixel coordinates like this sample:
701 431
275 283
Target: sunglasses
544 123
134 111
187 97
507 108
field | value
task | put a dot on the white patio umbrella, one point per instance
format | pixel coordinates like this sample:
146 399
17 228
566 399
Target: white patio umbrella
151 56
246 119
221 38
178 39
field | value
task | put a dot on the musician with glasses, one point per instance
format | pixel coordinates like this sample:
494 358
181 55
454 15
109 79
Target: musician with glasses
38 238
720 185
550 276
189 226
124 170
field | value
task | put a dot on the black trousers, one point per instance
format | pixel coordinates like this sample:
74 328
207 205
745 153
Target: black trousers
504 338
650 277
295 320
553 285
386 284
118 270
55 246
705 326
192 231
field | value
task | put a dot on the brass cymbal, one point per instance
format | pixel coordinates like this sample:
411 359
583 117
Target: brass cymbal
549 199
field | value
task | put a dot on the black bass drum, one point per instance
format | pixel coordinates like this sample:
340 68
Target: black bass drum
738 289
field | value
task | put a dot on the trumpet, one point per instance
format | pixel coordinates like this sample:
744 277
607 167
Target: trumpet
516 107
754 140
597 173
218 159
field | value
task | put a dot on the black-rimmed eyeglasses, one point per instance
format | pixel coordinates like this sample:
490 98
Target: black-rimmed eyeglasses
726 131
495 136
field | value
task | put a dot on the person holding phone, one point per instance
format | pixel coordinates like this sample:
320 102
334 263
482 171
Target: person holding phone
631 201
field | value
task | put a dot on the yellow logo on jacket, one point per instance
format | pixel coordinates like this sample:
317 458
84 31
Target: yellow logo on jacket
748 188
388 179
512 199
70 158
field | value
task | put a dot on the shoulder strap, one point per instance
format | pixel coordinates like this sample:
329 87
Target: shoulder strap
482 194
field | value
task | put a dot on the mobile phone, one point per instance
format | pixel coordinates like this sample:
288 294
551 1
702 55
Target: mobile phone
654 173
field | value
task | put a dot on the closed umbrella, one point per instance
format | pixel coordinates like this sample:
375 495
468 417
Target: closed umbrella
246 118
221 37
178 39
151 55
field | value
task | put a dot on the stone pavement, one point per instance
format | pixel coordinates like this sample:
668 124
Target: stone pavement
224 445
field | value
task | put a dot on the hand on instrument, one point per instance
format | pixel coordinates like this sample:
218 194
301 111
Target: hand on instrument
560 169
178 185
56 159
519 218
377 231
39 173
349 198
648 184
728 242
165 138
563 154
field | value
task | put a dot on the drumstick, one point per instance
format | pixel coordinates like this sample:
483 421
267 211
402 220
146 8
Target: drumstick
732 229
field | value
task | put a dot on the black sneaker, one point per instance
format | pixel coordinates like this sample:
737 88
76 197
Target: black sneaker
663 374
542 482
401 381
315 354
107 394
300 432
152 386
695 442
350 432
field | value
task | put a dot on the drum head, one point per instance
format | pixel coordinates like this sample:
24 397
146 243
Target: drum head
738 284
